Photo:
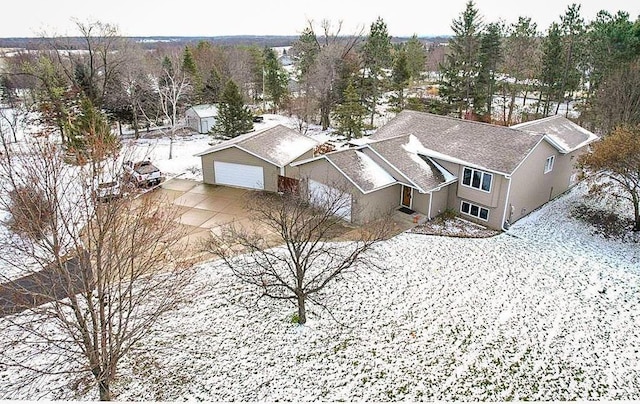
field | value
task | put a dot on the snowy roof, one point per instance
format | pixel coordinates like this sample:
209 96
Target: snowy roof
562 133
491 147
205 110
278 145
408 156
365 173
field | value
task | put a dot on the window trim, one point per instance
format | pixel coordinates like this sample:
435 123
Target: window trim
471 204
482 176
549 167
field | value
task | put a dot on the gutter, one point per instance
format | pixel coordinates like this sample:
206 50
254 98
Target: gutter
506 203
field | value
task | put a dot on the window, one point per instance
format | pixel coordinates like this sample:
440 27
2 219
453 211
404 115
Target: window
474 210
477 179
548 166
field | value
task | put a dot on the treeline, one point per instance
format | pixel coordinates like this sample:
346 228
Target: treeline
590 66
487 71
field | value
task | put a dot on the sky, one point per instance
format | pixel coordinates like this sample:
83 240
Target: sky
32 18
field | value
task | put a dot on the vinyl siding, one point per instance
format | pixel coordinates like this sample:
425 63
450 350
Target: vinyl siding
234 155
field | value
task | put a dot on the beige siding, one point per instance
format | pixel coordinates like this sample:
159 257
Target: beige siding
376 204
439 200
234 155
365 207
419 202
494 201
294 172
532 188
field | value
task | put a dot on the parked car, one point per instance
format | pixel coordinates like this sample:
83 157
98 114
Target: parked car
142 173
106 191
258 118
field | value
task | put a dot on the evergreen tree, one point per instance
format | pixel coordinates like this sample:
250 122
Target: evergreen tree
573 29
551 72
400 78
459 73
275 79
349 113
234 118
416 57
490 56
190 68
89 137
212 88
376 56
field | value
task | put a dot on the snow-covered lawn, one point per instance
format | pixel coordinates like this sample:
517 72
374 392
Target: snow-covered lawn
546 312
549 311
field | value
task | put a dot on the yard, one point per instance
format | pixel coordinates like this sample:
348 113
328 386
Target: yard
547 311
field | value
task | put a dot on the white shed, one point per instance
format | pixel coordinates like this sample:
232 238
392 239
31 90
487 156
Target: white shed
201 117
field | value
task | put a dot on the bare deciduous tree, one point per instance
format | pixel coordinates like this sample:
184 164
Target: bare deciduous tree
298 256
91 278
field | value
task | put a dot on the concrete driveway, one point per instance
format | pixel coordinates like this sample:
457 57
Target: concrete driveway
203 207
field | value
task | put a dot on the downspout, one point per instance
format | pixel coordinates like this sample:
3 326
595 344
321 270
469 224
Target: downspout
430 199
506 203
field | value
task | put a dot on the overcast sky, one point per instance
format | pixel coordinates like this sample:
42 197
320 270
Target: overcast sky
29 18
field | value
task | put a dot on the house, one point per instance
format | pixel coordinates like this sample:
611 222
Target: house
426 164
201 117
257 160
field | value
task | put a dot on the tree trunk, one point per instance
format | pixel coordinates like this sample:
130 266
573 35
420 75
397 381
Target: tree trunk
105 391
302 311
636 212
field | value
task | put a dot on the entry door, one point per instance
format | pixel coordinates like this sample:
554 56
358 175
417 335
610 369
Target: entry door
407 192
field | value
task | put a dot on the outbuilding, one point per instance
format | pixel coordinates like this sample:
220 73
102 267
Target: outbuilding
201 117
257 160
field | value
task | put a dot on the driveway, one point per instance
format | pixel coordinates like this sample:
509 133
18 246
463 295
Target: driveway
203 208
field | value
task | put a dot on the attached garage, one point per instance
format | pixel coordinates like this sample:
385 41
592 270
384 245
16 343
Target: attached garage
326 196
238 175
257 160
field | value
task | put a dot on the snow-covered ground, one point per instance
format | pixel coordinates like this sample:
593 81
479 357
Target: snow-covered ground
548 311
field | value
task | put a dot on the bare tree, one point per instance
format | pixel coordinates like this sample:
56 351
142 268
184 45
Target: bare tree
297 258
172 89
96 276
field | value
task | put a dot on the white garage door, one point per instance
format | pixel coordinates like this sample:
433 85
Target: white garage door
320 194
238 175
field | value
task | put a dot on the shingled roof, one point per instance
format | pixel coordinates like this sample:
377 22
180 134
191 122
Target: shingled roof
562 133
491 147
278 145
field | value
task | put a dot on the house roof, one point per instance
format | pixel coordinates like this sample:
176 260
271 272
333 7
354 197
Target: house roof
481 145
360 169
278 145
562 133
406 155
205 110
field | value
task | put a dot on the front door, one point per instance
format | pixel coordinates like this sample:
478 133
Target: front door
406 196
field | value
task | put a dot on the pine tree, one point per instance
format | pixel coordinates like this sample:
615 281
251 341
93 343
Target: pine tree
490 56
572 28
275 79
400 78
376 55
234 118
212 88
551 72
89 137
416 56
459 73
349 113
190 68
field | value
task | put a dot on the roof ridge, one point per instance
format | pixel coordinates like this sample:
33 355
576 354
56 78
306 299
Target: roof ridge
492 125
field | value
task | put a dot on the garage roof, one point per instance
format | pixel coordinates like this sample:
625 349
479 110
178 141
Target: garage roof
277 145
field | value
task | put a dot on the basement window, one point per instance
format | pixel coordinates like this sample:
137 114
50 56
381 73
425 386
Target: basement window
470 209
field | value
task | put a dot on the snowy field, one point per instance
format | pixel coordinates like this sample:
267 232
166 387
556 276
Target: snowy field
549 311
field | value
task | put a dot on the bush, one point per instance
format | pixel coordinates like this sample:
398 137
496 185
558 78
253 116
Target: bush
31 213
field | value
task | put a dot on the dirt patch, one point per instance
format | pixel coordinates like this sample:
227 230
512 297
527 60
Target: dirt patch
454 227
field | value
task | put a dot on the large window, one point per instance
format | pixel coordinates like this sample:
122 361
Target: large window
470 209
548 165
477 179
